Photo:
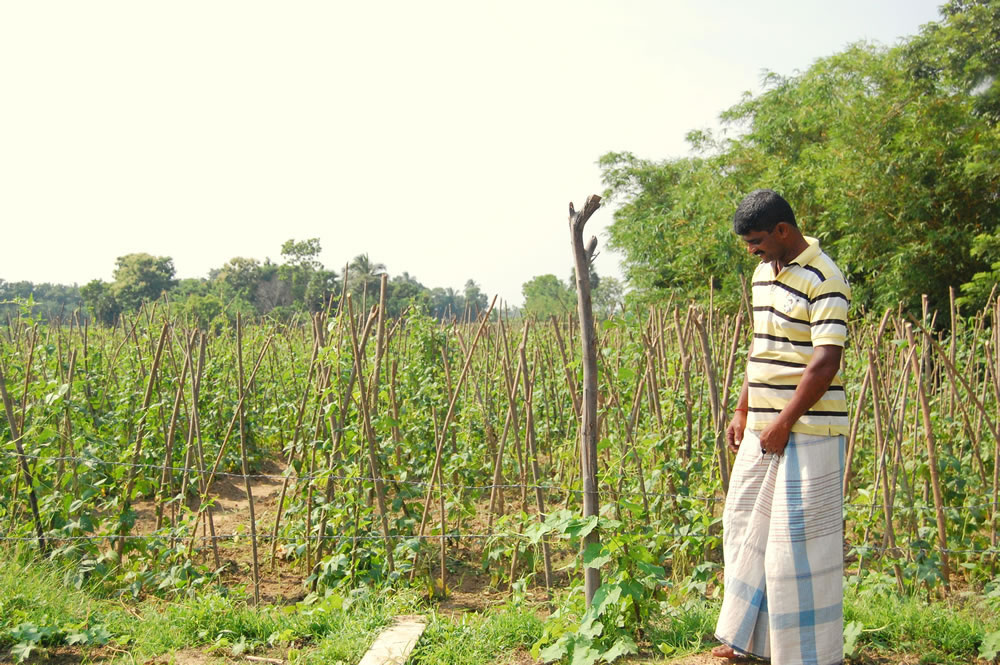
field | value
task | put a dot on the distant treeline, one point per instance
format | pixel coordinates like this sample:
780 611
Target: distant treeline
299 284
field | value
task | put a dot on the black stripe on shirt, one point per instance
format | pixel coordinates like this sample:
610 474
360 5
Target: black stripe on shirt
781 315
776 282
839 322
772 361
781 386
815 271
776 338
767 409
835 294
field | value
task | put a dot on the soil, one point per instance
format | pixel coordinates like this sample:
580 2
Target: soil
280 580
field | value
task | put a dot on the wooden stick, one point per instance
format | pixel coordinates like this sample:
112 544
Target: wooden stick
28 480
243 457
583 256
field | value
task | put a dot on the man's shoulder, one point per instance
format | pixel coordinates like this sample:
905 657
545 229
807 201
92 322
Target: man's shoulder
825 268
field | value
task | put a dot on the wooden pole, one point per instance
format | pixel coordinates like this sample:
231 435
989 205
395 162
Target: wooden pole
588 419
28 481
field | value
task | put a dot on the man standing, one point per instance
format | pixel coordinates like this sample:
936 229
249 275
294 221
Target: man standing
782 525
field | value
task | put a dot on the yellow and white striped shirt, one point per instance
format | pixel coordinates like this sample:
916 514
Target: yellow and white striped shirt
803 306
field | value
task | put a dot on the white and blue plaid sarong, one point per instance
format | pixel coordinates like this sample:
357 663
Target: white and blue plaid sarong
783 538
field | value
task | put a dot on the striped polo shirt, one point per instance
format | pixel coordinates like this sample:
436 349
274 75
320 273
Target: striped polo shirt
803 306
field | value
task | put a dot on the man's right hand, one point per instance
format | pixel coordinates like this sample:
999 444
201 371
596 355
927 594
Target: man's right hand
734 433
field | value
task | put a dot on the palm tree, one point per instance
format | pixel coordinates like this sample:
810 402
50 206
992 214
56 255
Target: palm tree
364 276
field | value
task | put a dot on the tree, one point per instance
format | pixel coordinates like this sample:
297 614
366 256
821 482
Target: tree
607 297
100 300
546 295
405 291
141 278
364 276
303 254
475 299
241 276
446 304
890 156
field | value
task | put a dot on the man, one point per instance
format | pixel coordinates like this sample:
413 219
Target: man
782 525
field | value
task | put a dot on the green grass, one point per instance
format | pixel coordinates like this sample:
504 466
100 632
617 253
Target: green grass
940 631
477 639
326 630
335 629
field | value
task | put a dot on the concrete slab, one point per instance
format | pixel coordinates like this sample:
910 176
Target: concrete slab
394 644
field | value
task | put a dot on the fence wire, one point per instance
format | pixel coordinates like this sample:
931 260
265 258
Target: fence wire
603 489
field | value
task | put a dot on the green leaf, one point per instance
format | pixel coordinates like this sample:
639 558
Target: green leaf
98 635
606 594
652 570
555 651
22 650
595 556
623 645
584 654
666 649
581 528
535 532
990 647
27 632
852 631
590 629
77 637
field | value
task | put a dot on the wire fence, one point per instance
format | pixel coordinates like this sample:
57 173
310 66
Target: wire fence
502 535
603 489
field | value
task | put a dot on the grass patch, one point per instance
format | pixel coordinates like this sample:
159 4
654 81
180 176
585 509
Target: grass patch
476 639
336 628
684 627
941 631
39 610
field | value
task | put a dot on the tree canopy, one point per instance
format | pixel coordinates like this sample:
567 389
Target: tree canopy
890 156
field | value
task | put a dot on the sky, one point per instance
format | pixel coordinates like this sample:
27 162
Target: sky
442 138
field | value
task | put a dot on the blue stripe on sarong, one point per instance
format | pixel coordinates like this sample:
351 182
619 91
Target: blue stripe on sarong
807 618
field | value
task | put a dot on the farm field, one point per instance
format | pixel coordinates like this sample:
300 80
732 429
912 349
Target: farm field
281 490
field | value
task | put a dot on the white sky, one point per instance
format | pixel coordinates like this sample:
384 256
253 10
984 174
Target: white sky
444 139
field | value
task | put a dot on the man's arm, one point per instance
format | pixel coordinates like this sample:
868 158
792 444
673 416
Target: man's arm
734 433
816 379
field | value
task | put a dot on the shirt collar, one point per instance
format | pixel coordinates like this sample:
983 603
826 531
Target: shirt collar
807 254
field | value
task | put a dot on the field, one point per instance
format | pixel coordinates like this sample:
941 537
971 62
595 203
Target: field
314 466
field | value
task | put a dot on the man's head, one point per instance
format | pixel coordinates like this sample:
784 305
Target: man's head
762 210
767 225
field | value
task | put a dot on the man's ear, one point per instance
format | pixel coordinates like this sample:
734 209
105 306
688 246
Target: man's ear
782 228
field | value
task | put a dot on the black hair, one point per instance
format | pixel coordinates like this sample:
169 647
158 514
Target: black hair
761 210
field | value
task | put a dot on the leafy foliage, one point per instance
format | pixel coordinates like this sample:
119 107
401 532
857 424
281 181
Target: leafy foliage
890 156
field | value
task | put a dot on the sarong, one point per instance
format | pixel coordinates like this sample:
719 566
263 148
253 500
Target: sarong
783 536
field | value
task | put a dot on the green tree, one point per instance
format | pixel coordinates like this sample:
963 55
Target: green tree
446 303
405 291
364 276
475 300
891 156
546 295
100 300
203 310
242 276
607 297
141 278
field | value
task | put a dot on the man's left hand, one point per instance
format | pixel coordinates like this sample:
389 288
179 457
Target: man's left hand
774 438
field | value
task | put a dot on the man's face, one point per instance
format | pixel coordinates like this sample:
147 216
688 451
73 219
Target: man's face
765 245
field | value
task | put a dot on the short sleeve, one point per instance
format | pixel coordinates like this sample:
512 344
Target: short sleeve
828 307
